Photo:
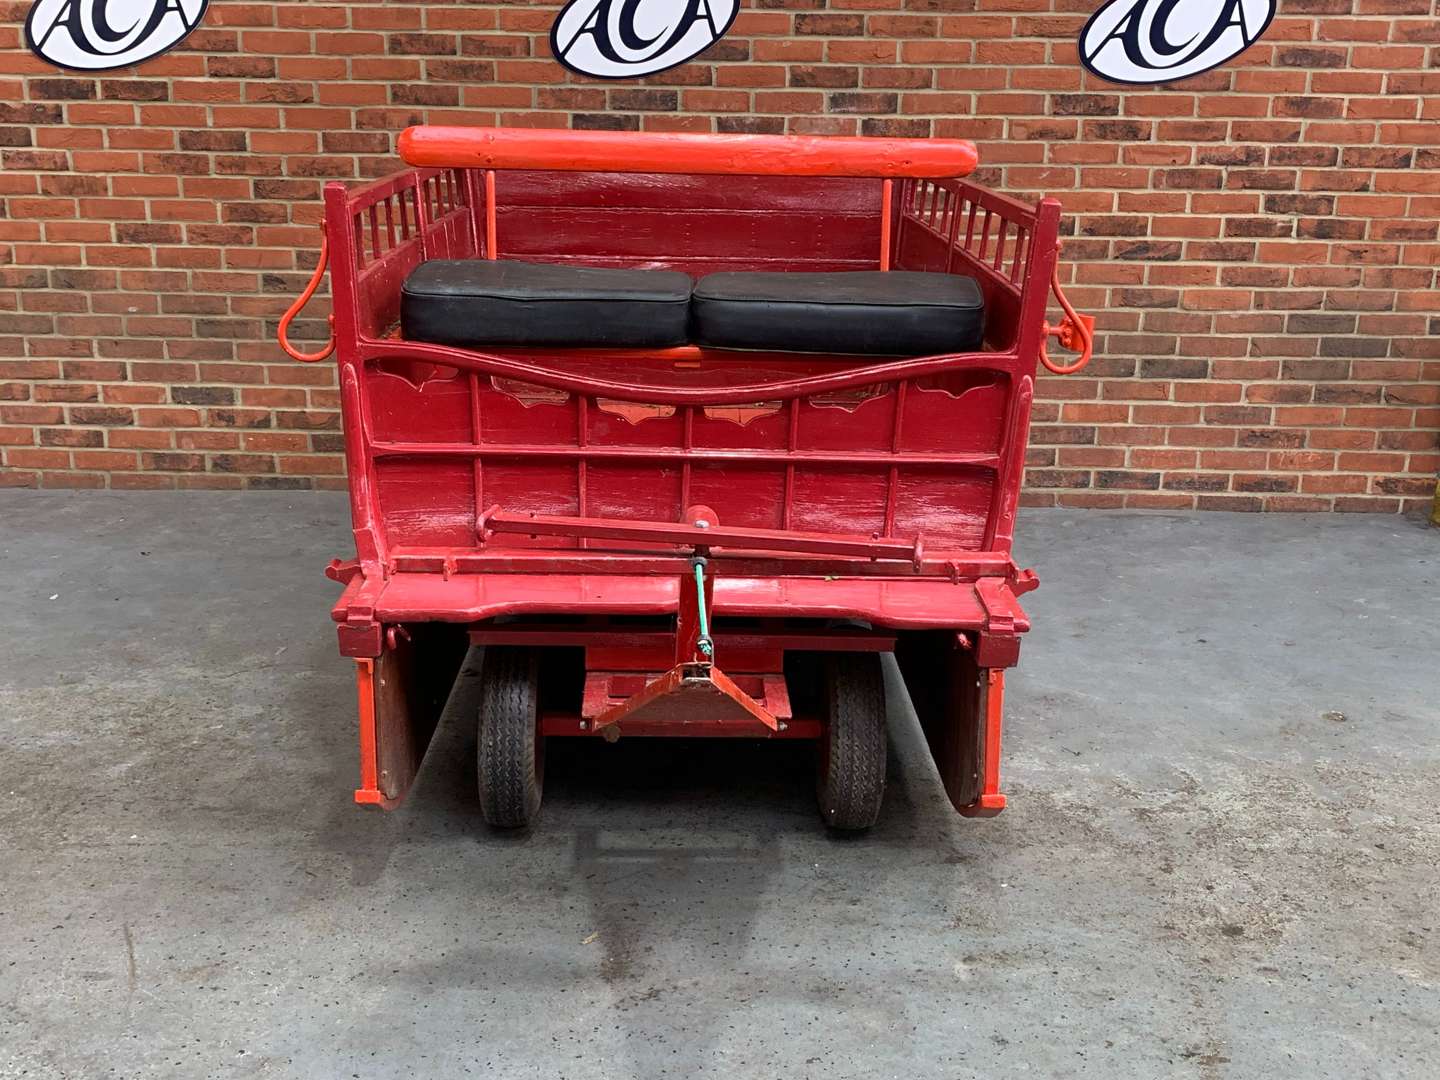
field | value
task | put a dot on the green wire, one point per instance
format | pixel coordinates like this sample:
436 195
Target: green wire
705 645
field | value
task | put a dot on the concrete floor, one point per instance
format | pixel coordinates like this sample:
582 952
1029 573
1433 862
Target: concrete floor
1220 858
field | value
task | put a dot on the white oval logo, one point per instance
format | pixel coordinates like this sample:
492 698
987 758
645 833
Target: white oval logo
1155 41
624 39
97 35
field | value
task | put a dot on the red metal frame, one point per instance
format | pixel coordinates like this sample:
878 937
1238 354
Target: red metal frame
877 489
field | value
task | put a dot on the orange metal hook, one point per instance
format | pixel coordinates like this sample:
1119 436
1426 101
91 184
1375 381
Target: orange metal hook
1075 332
298 306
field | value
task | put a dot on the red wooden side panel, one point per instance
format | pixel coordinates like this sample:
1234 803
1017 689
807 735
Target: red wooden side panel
410 218
895 461
953 227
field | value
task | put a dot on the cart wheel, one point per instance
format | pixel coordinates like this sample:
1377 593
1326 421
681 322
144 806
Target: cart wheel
510 754
851 781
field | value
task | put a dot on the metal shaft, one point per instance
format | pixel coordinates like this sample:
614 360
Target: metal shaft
705 645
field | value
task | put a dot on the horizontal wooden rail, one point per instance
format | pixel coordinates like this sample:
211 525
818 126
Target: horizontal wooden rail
976 459
674 152
372 350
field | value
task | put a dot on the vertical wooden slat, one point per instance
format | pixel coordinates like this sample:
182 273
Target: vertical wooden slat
582 440
688 444
793 443
892 484
422 218
475 200
952 253
358 225
479 476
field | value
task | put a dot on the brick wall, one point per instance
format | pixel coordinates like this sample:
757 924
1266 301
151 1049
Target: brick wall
1260 242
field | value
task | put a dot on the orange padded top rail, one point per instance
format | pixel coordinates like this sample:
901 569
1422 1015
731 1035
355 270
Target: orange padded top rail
667 152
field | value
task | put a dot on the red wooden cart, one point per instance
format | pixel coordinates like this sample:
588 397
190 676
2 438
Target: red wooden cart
685 540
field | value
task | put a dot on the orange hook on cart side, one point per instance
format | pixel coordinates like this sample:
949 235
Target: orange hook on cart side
1075 332
298 306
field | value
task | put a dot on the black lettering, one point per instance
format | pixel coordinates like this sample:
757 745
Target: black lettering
1224 21
1127 32
704 7
89 27
629 36
1158 41
70 18
100 15
1121 32
597 26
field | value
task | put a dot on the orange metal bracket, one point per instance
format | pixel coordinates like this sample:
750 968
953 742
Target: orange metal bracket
1075 332
368 793
299 305
991 801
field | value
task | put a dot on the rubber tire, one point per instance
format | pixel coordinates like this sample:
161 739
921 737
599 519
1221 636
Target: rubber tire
510 751
850 782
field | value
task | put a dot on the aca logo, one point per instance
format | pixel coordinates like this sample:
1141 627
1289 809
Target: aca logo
96 35
1154 41
624 39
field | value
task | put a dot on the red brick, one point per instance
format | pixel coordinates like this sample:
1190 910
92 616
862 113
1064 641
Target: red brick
1259 241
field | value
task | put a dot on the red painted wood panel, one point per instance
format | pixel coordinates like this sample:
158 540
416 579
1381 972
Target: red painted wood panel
699 224
698 194
427 501
440 404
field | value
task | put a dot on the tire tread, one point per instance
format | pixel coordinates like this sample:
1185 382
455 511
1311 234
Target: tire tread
851 783
507 756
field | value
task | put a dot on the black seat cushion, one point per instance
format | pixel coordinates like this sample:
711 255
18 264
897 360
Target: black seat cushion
474 303
895 312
